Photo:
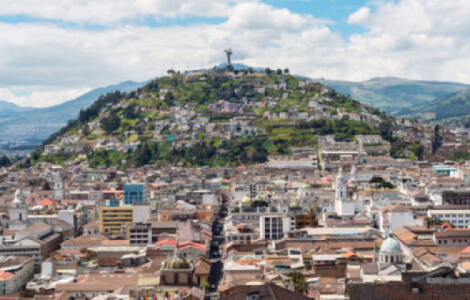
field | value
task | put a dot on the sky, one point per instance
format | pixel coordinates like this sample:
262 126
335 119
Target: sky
56 51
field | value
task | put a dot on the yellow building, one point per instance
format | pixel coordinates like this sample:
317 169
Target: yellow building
112 218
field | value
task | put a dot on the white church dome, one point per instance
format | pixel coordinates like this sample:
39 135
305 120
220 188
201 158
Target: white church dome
390 245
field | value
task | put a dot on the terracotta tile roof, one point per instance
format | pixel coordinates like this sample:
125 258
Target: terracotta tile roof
36 228
266 291
46 202
166 242
349 254
400 291
465 265
190 244
85 240
4 275
454 232
115 243
404 235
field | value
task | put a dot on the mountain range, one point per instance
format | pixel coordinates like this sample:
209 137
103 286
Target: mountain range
451 107
33 125
8 109
398 96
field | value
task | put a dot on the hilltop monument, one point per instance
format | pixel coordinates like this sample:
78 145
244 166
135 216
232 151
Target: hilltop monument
229 59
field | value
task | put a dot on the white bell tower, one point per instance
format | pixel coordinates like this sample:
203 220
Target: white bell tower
340 186
343 205
18 212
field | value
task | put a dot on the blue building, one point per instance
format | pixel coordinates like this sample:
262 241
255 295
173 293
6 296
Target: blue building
134 193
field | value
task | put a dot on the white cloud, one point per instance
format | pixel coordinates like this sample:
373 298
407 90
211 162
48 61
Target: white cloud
359 16
108 12
41 98
258 16
415 39
420 39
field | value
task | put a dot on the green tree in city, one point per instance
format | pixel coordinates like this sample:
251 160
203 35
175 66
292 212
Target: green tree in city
300 285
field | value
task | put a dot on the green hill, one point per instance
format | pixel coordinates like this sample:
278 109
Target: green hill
208 118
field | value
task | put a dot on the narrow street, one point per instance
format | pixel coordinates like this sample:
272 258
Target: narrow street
216 250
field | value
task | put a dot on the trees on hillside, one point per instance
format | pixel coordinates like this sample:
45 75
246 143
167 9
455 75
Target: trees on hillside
132 111
110 123
5 161
169 99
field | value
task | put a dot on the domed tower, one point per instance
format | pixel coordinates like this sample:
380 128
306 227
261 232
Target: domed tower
390 252
176 271
18 212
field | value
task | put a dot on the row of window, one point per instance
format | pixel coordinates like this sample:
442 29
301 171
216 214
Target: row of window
440 242
441 216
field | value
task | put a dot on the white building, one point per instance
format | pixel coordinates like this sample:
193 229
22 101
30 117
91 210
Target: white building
459 218
396 216
343 205
275 226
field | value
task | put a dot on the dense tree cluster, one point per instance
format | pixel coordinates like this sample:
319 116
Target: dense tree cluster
87 115
380 183
110 123
5 161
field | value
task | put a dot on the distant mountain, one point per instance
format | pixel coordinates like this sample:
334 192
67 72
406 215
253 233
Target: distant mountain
35 125
395 94
236 66
9 109
240 67
454 105
4 105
